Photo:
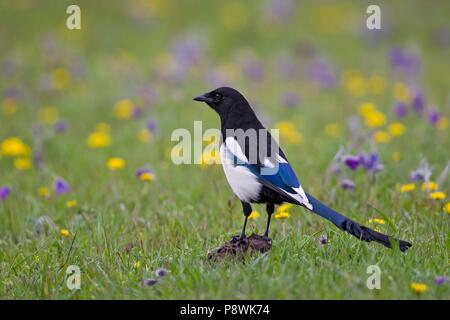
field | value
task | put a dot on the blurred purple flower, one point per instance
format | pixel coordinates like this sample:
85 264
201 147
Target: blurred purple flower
161 272
423 173
371 162
441 280
290 99
61 186
404 60
347 184
137 112
418 102
323 239
352 162
150 282
434 116
4 192
321 73
400 109
141 171
11 93
9 67
279 10
151 126
149 94
251 66
188 50
60 126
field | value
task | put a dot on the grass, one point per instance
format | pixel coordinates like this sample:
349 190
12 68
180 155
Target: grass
122 230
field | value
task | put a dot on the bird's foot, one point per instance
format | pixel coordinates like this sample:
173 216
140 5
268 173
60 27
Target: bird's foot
239 239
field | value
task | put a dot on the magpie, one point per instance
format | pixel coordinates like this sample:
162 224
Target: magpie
258 171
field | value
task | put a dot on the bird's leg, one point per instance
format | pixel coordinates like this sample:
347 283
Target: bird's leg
270 208
247 211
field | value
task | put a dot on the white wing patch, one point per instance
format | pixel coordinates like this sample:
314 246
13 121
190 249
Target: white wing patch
244 184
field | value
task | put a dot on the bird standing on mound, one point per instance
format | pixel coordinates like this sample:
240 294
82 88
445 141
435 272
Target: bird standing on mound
259 172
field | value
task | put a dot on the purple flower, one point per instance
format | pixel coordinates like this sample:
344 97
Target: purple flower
150 282
151 126
60 126
61 186
400 109
253 68
347 184
137 113
352 162
161 272
423 173
434 116
404 60
323 239
441 280
320 71
418 102
290 99
4 192
141 171
279 10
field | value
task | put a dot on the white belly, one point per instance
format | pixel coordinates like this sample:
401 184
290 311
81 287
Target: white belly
244 184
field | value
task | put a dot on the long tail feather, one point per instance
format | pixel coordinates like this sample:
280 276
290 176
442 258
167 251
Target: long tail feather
355 229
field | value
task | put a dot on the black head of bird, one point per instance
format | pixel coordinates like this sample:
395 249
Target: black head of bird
225 100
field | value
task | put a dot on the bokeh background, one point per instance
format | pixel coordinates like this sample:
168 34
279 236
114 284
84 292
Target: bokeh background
86 118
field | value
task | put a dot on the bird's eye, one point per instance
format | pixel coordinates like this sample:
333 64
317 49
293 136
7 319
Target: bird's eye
218 96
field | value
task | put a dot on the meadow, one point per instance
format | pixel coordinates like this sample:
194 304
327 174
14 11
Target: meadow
86 176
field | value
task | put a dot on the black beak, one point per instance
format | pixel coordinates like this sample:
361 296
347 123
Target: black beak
203 98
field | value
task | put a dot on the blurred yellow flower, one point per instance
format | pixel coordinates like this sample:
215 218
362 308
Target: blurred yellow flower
234 15
377 84
284 207
377 221
418 288
99 139
333 129
209 158
442 123
145 135
437 195
408 187
115 163
44 192
430 186
282 215
14 147
61 78
401 92
137 265
374 118
381 136
254 215
72 204
288 132
64 232
147 176
9 107
366 107
396 129
49 115
447 207
123 109
355 83
22 163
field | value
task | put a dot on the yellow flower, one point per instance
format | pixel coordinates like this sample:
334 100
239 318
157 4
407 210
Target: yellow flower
147 176
408 187
447 207
282 215
22 163
137 265
64 232
366 108
333 129
145 136
49 115
254 215
71 203
44 192
14 147
377 84
99 139
418 288
123 109
355 83
401 92
437 195
209 158
430 186
396 129
442 123
234 15
374 118
381 136
288 132
61 78
115 163
377 221
284 207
